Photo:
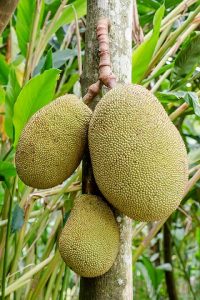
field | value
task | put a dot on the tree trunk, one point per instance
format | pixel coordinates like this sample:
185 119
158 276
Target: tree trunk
116 284
169 275
7 8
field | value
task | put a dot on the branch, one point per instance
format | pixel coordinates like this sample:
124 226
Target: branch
138 35
6 10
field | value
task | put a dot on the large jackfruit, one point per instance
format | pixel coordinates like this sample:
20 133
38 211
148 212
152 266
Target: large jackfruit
138 156
52 143
89 242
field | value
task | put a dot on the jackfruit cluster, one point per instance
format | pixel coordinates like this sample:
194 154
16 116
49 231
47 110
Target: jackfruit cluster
89 242
52 143
138 157
139 162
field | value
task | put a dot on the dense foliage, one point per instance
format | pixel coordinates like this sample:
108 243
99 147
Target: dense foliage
41 53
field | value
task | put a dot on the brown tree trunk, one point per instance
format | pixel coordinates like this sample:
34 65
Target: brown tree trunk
7 8
117 283
169 275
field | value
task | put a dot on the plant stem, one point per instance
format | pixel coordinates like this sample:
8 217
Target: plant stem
28 275
38 284
8 153
187 277
7 239
65 283
57 286
176 11
20 242
171 52
78 38
32 40
172 38
159 82
178 111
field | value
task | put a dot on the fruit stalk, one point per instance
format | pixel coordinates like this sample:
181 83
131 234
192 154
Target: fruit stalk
106 76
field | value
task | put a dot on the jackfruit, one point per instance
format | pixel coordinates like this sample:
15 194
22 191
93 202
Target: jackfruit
138 156
52 143
89 242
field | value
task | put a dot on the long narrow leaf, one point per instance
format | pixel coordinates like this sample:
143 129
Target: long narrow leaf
143 54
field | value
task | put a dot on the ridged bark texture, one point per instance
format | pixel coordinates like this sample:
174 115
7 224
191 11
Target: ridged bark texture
116 284
7 8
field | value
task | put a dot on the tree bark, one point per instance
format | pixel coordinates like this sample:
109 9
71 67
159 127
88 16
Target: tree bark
169 275
7 7
116 284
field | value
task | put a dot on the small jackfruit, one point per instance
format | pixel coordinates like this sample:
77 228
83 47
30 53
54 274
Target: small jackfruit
89 242
52 143
138 156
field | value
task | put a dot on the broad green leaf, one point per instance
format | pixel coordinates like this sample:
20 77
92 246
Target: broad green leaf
25 15
188 58
17 218
12 92
38 92
4 70
143 54
6 170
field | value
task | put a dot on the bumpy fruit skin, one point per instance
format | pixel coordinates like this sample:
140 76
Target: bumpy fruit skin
138 156
89 242
52 143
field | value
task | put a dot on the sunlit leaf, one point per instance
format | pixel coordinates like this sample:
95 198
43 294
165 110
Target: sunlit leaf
25 15
4 70
38 92
7 169
12 92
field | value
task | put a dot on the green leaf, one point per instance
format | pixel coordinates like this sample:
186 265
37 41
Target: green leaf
38 92
192 99
69 84
6 170
48 63
189 97
12 92
4 70
2 95
143 54
188 58
25 15
17 218
59 58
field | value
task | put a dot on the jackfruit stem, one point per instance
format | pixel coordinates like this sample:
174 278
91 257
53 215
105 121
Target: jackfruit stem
106 76
92 92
